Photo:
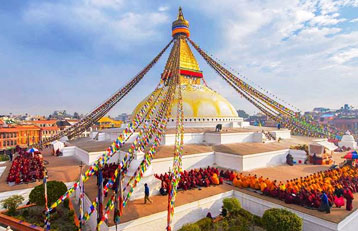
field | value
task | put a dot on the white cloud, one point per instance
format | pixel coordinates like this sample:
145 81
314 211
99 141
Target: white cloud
163 8
116 4
90 18
345 56
354 20
293 48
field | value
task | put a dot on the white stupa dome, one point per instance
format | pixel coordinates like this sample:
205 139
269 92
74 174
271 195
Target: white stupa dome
348 141
201 105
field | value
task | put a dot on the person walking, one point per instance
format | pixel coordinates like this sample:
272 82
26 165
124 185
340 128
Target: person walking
146 194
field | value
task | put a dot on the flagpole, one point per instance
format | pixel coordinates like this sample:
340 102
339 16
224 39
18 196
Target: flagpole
100 197
45 187
118 202
47 213
81 197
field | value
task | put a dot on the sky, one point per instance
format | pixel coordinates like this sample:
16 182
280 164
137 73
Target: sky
72 55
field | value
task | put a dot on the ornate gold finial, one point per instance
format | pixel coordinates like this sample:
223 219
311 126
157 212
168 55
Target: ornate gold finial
180 26
180 14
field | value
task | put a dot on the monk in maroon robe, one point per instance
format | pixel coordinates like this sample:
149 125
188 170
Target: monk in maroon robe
349 197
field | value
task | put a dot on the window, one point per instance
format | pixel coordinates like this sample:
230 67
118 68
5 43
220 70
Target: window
7 143
11 142
4 143
15 142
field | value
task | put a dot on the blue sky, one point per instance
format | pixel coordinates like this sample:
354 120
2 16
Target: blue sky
74 54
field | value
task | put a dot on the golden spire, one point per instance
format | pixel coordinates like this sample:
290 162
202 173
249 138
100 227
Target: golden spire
180 14
180 26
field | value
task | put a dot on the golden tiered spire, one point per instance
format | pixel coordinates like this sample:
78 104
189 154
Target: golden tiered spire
189 68
180 26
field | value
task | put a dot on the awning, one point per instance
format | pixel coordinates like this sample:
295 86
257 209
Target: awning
330 146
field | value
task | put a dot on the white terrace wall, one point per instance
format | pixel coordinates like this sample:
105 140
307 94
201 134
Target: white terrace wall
189 138
194 211
263 160
283 134
250 162
184 214
201 160
258 206
231 161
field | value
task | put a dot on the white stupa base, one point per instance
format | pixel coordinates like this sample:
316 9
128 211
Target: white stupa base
348 144
147 178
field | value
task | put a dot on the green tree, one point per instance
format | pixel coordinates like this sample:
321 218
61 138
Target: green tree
231 205
190 227
12 203
281 220
55 189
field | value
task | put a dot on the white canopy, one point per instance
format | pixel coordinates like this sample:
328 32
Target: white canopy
330 146
58 145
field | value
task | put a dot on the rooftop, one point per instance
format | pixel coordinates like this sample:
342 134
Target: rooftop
44 121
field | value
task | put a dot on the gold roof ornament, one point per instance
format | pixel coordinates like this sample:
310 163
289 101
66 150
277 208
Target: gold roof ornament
180 26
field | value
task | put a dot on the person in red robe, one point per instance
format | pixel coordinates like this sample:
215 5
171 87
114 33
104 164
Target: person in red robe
349 197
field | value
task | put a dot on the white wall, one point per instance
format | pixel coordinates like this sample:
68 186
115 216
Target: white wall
69 151
258 206
263 160
189 138
250 162
229 161
283 134
184 214
194 211
201 160
197 210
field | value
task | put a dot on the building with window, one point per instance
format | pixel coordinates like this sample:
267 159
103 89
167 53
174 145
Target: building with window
8 138
44 123
28 135
47 132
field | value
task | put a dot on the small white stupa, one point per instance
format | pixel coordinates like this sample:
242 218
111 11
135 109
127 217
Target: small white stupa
348 141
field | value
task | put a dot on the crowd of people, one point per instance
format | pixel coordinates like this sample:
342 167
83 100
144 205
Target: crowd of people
193 178
26 168
320 190
108 172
